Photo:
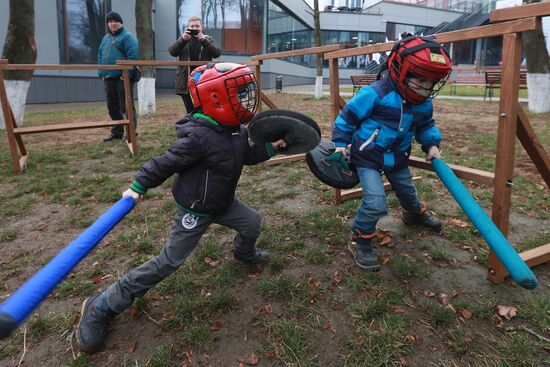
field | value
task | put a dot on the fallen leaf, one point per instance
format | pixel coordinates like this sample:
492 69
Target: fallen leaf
397 309
250 360
216 325
467 314
386 241
458 223
131 347
508 312
213 263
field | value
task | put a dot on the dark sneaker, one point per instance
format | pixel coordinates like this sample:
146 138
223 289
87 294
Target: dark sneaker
92 326
112 137
424 219
364 256
255 256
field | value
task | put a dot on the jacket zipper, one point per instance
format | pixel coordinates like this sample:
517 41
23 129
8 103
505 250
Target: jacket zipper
370 139
400 118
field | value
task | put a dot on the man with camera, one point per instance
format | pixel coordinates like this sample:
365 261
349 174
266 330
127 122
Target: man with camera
117 44
193 45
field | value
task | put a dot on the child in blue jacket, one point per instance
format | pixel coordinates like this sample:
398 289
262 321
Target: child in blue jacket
379 123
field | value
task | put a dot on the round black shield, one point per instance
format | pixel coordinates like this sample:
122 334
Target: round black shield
331 167
300 132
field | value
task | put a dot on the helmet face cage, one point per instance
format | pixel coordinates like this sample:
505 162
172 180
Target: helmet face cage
428 61
226 92
243 96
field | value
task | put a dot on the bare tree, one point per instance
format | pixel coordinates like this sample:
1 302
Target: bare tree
145 35
319 57
538 69
19 48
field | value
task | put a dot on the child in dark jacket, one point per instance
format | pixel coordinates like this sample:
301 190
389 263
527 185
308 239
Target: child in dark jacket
208 158
379 123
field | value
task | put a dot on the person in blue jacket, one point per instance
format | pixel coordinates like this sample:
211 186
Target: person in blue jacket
117 44
379 124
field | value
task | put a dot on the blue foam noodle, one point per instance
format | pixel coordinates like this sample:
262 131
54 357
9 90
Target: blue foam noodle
518 269
21 304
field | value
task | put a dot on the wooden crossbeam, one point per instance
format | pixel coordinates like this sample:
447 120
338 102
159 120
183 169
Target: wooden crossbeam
491 30
70 126
518 12
532 145
300 52
471 174
357 193
466 173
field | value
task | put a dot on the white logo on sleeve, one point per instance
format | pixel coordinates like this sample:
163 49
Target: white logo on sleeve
189 221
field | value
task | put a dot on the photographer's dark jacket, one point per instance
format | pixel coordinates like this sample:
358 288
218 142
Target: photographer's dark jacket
208 50
208 159
110 50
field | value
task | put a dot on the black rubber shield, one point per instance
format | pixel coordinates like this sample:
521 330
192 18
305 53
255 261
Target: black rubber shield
300 132
330 173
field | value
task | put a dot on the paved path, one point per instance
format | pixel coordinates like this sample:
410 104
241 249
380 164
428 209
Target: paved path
169 96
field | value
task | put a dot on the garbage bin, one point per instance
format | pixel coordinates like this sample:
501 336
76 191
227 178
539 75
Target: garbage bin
278 83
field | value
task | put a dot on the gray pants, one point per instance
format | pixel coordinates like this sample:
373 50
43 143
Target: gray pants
186 232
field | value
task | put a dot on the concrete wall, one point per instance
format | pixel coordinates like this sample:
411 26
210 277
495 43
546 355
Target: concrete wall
411 14
353 22
4 19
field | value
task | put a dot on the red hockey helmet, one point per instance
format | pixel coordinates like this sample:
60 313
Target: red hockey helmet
420 67
226 92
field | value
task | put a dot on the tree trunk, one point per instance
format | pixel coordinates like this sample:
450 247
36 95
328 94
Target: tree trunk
319 57
538 69
19 48
145 35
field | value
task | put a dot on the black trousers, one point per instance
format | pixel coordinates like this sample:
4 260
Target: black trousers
116 103
188 102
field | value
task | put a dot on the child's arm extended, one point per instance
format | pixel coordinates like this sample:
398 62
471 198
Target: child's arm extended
352 115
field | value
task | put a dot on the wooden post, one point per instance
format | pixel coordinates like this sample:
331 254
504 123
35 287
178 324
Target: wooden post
334 78
131 129
258 73
506 138
9 121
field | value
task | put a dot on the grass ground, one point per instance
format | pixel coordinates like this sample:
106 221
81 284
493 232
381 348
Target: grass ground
430 305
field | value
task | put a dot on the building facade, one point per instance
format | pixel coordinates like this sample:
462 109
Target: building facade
69 32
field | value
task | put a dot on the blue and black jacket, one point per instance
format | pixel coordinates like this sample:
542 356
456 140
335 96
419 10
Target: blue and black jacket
111 49
381 125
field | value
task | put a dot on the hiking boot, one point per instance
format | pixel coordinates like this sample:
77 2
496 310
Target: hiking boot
363 254
94 320
244 249
255 256
424 219
112 137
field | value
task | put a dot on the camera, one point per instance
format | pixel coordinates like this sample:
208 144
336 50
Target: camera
193 32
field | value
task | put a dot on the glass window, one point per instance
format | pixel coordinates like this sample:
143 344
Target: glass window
236 25
81 26
286 33
351 39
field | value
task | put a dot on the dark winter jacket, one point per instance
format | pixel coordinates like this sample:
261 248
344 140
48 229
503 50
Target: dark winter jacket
208 159
109 53
180 49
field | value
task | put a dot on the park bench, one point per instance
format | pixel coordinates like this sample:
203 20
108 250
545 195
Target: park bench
493 81
360 80
472 80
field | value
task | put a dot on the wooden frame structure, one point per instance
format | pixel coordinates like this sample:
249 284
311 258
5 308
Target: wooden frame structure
18 151
512 119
